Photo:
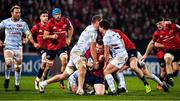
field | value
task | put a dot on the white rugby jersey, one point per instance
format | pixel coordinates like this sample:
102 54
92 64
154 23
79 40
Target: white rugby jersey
13 32
87 36
115 44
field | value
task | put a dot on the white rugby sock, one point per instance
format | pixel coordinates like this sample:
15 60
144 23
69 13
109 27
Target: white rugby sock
7 72
156 79
110 80
17 77
121 80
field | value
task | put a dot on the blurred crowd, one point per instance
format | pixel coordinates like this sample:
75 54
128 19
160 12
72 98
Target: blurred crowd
136 18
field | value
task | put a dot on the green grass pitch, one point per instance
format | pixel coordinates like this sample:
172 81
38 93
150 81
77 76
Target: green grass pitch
53 92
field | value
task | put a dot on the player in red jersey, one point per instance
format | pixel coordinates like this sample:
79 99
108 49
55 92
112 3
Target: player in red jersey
94 79
58 34
37 32
171 41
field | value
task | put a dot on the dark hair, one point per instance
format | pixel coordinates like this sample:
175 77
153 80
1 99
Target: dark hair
104 24
159 19
167 19
100 42
15 7
43 12
96 18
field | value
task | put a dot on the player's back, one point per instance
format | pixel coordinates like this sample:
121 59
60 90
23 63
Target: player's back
86 37
115 43
14 32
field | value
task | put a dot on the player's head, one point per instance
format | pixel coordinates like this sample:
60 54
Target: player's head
16 12
43 16
56 13
159 23
95 20
103 26
99 46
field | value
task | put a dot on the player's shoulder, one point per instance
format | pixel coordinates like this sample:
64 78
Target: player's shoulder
22 21
90 28
6 20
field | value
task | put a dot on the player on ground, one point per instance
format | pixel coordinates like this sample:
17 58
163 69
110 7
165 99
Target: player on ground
58 34
38 31
77 60
94 77
15 28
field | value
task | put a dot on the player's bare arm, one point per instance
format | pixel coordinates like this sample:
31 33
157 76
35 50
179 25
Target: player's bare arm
69 34
148 49
30 37
106 55
158 45
94 54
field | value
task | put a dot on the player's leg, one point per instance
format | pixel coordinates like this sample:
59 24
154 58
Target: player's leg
168 61
155 78
134 67
99 89
121 82
81 66
18 67
68 71
8 56
40 71
109 78
63 59
51 54
175 66
73 82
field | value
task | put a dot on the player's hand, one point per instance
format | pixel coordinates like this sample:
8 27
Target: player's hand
55 36
96 65
36 45
68 41
1 44
24 40
143 57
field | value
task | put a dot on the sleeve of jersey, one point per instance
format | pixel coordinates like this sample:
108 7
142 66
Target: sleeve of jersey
25 28
93 36
2 25
34 29
155 36
106 40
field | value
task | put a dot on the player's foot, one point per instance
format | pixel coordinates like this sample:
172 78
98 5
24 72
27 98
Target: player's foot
147 88
113 93
165 87
16 88
41 87
159 87
170 81
89 90
80 92
121 90
6 84
36 84
61 85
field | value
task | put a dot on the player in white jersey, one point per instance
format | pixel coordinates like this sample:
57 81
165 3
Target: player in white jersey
14 30
77 60
113 43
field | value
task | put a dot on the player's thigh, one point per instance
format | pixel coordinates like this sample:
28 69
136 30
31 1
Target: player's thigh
18 55
8 56
110 68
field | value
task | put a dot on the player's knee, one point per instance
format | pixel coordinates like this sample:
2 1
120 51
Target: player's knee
9 62
17 67
81 65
